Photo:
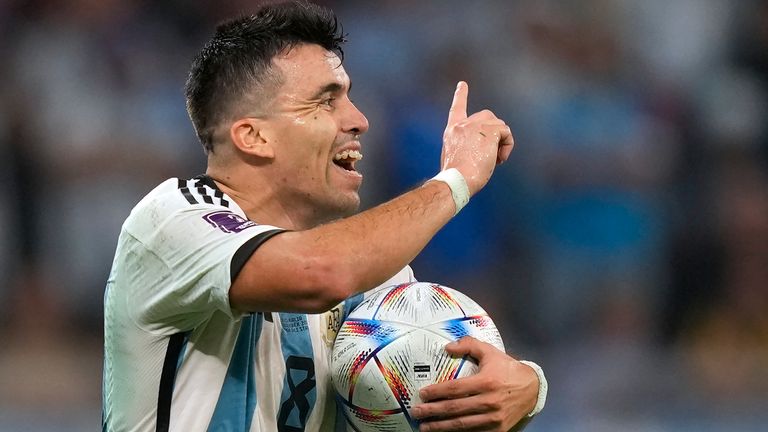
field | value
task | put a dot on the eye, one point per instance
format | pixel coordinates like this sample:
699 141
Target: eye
328 101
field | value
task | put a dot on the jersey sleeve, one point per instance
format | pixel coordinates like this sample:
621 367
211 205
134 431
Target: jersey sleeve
192 256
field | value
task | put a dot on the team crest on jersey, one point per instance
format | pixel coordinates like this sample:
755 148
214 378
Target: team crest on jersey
331 322
228 222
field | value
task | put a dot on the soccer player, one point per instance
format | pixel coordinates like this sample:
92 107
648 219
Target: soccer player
226 289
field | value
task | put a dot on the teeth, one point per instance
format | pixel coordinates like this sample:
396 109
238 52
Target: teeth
353 154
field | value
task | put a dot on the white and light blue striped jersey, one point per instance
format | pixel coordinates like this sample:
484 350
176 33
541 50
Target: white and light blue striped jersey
177 357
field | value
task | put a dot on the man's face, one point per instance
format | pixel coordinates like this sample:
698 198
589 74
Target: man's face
315 132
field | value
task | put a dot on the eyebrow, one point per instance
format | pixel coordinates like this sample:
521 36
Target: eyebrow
333 87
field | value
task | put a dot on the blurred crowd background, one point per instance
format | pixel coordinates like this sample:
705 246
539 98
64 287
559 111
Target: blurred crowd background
624 246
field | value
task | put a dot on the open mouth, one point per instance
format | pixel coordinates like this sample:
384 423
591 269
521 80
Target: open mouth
347 158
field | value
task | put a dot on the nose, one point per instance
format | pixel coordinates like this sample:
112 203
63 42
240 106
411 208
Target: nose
354 121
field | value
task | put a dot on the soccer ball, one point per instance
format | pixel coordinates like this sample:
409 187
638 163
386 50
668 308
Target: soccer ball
392 345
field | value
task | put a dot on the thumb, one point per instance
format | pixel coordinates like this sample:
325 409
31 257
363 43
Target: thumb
469 345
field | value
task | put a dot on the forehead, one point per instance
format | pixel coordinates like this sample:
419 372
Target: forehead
305 68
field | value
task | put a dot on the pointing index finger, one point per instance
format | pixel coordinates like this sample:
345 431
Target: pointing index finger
458 111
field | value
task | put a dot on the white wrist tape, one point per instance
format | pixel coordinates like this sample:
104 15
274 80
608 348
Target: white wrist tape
459 189
542 398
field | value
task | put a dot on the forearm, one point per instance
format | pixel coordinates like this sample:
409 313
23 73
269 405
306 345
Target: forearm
379 242
313 270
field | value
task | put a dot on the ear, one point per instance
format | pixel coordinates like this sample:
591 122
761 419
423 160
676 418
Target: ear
248 136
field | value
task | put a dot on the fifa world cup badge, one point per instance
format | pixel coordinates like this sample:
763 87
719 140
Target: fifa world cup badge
331 322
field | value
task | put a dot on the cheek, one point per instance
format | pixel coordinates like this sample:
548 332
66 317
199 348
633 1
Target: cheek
320 134
307 140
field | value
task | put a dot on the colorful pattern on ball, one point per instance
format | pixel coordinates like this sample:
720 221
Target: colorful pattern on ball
392 298
392 345
441 298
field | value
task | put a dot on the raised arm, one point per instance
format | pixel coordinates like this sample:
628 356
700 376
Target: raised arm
313 270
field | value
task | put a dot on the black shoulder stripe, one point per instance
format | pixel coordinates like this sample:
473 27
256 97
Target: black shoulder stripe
220 195
205 180
185 191
204 193
247 249
167 379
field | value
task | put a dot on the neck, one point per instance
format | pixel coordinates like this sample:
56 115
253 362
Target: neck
256 195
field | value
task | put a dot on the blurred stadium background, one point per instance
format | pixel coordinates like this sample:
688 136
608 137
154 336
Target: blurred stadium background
624 246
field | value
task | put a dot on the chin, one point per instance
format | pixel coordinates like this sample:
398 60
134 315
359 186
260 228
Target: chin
336 206
350 208
345 206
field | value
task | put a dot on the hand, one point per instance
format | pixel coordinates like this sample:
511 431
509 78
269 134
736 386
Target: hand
495 399
476 144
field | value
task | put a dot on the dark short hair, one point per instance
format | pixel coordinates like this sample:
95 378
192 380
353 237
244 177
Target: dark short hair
238 59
